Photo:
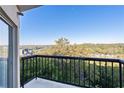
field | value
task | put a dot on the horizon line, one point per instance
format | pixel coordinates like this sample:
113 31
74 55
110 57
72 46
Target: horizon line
72 43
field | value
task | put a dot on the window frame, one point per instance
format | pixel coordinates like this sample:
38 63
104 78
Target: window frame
13 66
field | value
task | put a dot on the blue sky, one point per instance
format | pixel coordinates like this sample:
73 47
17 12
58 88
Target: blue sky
79 24
4 34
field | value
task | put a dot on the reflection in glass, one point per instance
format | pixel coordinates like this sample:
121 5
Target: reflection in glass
4 30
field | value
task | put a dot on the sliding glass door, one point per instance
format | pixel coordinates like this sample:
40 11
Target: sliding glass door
4 47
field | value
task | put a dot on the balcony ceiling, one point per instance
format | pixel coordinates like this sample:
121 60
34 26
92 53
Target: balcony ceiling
23 8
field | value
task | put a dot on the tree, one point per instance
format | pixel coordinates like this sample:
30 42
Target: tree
62 42
61 46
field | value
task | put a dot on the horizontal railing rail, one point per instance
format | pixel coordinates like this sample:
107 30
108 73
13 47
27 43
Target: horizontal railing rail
78 71
71 57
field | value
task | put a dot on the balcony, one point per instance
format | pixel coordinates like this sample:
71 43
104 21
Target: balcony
43 83
71 72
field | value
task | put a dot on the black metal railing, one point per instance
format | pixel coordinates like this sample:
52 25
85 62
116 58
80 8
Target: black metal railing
78 71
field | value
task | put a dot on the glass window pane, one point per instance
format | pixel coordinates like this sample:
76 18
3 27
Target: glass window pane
4 35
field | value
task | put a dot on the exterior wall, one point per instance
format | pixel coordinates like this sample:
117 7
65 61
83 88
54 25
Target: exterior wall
9 13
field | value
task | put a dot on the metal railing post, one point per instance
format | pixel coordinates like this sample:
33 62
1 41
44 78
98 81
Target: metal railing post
120 74
36 68
22 83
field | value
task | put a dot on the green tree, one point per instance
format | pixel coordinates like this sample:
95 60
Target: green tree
61 46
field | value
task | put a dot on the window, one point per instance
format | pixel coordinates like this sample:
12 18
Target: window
4 43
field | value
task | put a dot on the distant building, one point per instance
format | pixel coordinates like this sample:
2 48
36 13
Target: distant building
20 51
26 52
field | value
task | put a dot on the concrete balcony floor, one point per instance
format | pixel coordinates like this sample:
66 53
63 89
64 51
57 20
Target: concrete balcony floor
43 83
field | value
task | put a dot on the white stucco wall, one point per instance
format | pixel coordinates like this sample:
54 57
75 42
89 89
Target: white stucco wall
11 11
